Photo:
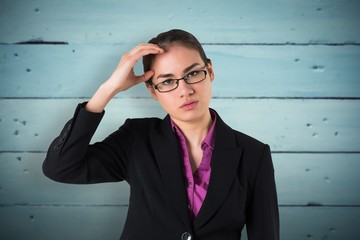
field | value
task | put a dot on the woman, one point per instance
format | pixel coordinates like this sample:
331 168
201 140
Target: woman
190 175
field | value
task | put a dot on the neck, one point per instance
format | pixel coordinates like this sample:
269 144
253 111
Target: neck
195 131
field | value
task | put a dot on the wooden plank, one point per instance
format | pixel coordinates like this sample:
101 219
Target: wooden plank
296 125
240 71
287 125
235 21
317 179
106 222
21 173
320 223
302 179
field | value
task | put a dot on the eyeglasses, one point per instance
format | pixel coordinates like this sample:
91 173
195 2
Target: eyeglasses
171 84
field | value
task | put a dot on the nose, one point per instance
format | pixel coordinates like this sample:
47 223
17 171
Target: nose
185 89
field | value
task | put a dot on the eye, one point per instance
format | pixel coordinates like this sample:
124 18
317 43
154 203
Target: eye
192 74
167 82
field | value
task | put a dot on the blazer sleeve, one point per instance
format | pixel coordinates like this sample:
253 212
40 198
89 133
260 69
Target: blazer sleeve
263 214
72 159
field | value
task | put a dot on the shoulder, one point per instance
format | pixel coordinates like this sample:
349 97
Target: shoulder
248 141
256 158
253 149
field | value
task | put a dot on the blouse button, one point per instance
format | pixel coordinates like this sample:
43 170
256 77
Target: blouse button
186 236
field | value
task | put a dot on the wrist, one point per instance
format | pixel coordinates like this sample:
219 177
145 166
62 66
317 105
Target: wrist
100 99
107 89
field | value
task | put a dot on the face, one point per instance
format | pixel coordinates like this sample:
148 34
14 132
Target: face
188 102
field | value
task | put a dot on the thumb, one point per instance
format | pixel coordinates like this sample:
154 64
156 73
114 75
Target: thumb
148 75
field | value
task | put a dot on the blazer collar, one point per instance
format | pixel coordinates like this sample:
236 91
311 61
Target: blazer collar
224 165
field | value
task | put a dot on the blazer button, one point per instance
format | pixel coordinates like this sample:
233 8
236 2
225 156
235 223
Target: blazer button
186 236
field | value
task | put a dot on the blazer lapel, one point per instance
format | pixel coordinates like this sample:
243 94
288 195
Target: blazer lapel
224 165
166 148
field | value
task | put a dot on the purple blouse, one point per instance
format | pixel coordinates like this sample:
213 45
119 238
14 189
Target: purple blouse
197 183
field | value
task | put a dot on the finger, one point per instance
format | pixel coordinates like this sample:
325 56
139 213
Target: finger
145 49
148 75
147 46
145 77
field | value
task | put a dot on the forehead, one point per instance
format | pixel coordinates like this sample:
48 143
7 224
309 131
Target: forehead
175 60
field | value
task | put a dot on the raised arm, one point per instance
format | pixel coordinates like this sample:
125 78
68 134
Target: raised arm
123 77
70 158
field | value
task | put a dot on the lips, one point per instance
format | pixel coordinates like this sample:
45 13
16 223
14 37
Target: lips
189 105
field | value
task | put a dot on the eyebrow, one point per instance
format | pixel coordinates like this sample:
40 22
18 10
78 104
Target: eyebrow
166 75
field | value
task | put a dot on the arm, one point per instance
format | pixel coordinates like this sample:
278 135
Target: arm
123 77
263 214
70 158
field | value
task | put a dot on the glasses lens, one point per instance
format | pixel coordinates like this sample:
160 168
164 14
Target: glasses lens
196 76
167 85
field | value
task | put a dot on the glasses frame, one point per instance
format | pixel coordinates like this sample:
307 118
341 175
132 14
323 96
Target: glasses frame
178 79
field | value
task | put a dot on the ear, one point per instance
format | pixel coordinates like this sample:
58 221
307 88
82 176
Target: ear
152 91
210 70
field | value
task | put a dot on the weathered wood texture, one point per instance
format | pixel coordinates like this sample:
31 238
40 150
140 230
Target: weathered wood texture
302 179
287 125
287 73
214 21
258 71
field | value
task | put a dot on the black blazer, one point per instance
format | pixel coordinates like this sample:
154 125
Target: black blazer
145 153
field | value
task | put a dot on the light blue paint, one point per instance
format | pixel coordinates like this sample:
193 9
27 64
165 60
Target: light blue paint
232 21
286 125
240 71
287 72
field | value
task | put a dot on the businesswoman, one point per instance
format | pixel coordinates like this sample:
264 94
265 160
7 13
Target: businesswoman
191 176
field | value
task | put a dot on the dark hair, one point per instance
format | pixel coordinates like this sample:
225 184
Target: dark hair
174 36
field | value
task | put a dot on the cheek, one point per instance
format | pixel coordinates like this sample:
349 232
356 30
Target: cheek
166 101
205 89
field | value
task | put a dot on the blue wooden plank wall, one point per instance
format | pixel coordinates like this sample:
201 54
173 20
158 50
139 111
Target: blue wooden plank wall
287 72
